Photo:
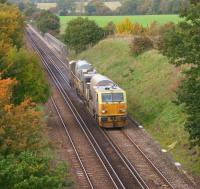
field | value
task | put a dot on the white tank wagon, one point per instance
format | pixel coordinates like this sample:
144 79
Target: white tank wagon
56 45
81 73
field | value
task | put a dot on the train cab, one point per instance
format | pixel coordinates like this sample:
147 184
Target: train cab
108 102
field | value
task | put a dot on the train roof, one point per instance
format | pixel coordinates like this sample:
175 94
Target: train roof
100 80
102 83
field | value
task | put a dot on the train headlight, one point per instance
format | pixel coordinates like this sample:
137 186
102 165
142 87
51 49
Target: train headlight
103 111
122 111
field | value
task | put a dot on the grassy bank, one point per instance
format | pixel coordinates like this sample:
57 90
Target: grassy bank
150 83
142 19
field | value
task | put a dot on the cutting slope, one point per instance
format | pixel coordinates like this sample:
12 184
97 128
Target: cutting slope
150 83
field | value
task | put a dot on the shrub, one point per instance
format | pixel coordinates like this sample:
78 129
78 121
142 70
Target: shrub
125 27
154 29
109 28
137 29
140 44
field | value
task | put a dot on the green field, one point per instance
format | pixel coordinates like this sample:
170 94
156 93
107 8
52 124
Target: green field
142 19
150 82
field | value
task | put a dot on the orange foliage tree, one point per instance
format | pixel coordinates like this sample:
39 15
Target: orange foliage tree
20 128
124 27
5 91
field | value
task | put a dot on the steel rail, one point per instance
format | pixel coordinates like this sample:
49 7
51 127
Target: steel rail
72 143
148 160
126 161
67 132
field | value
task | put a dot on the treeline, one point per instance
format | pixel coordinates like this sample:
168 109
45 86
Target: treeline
140 7
24 162
98 7
128 7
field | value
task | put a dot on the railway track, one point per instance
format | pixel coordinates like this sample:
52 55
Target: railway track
122 176
82 148
141 175
148 171
85 181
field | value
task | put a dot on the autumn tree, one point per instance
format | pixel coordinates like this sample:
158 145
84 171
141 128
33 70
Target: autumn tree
181 45
24 162
6 86
11 25
125 27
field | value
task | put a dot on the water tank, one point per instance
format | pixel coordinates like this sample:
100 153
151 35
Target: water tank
82 65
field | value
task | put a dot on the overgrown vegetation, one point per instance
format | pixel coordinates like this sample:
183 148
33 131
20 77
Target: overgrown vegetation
82 33
24 162
181 45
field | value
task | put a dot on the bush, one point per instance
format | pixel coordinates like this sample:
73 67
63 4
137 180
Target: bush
140 44
137 29
82 33
109 28
125 27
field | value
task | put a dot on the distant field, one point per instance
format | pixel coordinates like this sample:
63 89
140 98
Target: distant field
142 19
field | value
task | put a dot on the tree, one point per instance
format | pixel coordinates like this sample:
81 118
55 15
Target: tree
129 7
20 128
182 47
11 25
23 66
48 22
96 7
82 33
66 6
6 86
3 1
30 9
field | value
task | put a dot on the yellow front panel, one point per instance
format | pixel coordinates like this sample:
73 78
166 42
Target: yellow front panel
112 109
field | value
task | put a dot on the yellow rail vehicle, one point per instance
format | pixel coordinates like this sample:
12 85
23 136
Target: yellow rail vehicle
104 99
109 102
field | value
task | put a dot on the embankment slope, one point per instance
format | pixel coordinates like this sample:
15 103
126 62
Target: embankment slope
150 82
